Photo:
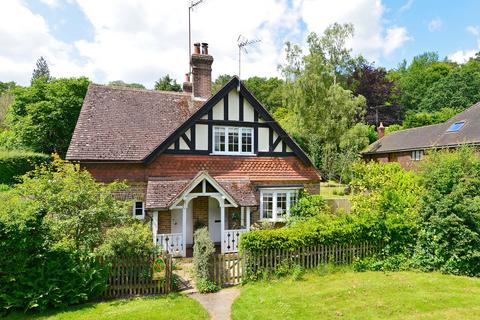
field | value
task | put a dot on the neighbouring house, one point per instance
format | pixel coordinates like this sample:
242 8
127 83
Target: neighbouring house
192 159
409 146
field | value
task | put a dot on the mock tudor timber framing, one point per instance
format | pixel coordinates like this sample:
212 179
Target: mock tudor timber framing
259 112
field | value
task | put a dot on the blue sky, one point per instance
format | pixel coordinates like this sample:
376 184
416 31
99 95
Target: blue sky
140 41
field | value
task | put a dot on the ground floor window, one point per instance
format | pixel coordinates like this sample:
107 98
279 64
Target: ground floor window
417 155
275 204
139 210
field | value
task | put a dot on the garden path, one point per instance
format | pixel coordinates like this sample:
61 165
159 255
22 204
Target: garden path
218 304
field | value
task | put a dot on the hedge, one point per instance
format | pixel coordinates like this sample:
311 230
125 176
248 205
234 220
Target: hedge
347 229
16 163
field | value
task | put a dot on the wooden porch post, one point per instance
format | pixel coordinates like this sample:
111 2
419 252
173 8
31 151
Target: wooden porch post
154 227
248 218
222 224
184 227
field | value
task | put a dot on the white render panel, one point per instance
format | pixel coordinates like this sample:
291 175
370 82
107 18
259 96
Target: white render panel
188 134
233 105
247 111
288 149
218 111
201 137
172 146
279 147
183 144
263 139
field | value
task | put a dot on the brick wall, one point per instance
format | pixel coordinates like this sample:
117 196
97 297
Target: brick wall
200 211
164 222
403 158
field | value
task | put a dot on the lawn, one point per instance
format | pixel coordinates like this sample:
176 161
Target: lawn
169 307
332 190
368 295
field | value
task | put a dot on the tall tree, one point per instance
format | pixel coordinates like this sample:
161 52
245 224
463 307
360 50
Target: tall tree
167 84
43 116
379 91
220 81
41 70
269 91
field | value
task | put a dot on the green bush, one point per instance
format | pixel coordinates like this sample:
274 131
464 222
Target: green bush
16 163
203 251
308 206
449 239
36 272
134 239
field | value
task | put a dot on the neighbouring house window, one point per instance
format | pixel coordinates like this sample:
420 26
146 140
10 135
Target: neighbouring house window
139 210
417 155
275 204
456 126
232 140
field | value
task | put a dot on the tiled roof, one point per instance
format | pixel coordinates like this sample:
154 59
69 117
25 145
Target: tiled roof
127 124
162 193
251 167
433 136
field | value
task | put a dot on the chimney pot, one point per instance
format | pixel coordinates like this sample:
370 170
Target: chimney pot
187 77
381 131
196 48
204 48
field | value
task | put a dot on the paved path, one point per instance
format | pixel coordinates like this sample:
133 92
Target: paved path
218 304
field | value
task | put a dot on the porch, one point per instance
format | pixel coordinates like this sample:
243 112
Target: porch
204 202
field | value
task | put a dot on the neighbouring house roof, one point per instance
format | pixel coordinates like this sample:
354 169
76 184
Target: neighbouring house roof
124 124
162 193
433 136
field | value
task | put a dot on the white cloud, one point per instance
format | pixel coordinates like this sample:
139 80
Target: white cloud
462 56
23 43
139 41
406 6
51 3
435 24
372 39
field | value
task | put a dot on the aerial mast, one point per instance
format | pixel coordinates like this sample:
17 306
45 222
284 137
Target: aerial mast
191 6
242 43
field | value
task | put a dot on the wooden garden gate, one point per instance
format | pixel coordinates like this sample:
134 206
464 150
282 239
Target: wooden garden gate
227 269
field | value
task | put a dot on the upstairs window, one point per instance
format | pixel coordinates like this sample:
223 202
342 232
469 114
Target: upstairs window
139 210
232 140
275 204
417 155
456 126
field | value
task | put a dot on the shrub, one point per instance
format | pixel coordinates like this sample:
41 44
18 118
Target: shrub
203 251
308 206
16 163
134 239
37 272
449 239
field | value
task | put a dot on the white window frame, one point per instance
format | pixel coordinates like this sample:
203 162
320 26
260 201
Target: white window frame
240 131
134 211
416 155
275 192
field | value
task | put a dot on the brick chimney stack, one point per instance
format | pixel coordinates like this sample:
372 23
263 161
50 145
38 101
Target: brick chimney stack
187 85
381 131
202 71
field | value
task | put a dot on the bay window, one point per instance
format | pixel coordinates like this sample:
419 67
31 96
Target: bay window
232 140
275 204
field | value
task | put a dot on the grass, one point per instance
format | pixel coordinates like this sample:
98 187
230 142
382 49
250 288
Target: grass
368 295
332 190
173 306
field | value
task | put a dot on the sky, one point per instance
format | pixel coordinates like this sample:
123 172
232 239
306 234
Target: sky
141 41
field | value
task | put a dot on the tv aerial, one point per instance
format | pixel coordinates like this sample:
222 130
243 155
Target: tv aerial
191 5
243 43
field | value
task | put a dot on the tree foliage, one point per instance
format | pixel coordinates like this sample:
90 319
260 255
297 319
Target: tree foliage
167 84
123 84
41 70
43 116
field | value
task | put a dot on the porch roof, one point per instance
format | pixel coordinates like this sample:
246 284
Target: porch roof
162 192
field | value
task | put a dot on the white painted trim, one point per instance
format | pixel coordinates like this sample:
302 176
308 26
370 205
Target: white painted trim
248 218
184 228
193 184
154 226
142 217
222 225
274 193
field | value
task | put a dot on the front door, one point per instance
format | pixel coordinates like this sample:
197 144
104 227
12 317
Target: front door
214 225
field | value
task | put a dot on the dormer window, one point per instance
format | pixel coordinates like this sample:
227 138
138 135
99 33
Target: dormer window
456 126
232 140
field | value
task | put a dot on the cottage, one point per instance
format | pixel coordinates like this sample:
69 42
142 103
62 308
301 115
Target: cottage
192 159
409 146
